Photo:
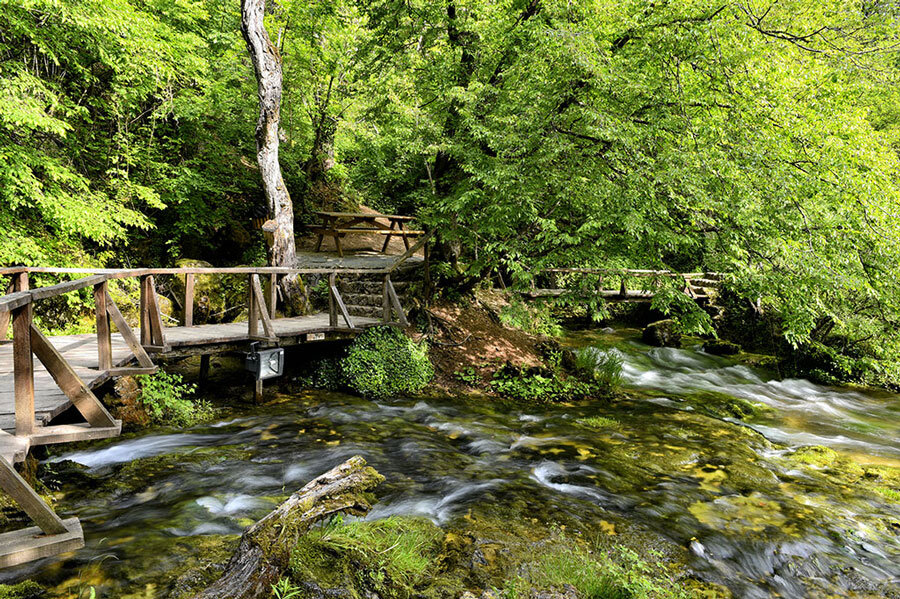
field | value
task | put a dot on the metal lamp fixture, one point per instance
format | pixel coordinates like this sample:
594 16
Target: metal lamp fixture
264 363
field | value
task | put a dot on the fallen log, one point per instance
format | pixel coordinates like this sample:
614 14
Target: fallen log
263 554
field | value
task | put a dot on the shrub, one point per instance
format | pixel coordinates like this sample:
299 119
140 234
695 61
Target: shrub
536 319
165 398
383 362
538 384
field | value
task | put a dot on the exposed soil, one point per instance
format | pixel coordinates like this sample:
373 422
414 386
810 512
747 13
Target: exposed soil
468 337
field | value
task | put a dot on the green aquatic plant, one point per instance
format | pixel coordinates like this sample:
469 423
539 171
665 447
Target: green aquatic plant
384 362
167 400
285 589
595 573
603 368
599 422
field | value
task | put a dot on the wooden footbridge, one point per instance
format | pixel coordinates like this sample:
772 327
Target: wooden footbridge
69 368
597 282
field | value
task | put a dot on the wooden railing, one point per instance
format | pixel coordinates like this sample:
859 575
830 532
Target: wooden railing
624 275
17 307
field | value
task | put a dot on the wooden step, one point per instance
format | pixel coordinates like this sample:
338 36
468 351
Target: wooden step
67 433
28 544
368 311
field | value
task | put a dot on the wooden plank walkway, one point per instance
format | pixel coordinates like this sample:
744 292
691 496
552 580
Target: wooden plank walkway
80 351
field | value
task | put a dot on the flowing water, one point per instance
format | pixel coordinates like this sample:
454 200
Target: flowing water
749 516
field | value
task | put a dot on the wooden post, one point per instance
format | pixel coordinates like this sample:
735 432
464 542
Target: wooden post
189 300
258 391
104 339
68 380
5 316
30 502
23 368
146 336
273 294
252 310
127 334
428 290
332 304
386 300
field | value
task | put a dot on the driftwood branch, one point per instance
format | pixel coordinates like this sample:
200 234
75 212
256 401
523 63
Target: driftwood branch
265 548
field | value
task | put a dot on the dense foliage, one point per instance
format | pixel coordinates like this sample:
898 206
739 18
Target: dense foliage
384 362
754 138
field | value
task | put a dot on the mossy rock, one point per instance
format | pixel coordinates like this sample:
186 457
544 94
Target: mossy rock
824 458
216 297
662 333
720 347
722 405
24 590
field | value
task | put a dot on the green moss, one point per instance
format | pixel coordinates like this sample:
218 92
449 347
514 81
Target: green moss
595 573
384 362
722 405
391 557
891 494
599 422
23 590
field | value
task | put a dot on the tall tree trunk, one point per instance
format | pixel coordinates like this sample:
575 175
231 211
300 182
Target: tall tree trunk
279 228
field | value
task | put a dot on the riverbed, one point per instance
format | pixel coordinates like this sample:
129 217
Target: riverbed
729 490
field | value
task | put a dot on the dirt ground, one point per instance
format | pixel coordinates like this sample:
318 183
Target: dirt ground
469 338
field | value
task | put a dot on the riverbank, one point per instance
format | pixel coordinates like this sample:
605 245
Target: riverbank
697 479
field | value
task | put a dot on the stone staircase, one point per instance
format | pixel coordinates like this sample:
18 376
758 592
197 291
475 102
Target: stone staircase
364 294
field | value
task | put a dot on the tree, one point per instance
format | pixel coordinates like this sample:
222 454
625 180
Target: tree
266 60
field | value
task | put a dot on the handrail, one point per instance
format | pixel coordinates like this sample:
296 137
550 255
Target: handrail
17 299
119 273
406 255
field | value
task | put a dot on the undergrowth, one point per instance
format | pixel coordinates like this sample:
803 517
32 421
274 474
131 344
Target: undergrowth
382 362
167 400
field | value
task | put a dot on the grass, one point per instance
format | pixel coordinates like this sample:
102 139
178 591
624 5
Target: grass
393 556
595 574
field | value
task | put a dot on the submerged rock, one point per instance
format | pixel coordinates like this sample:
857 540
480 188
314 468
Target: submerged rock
662 333
720 347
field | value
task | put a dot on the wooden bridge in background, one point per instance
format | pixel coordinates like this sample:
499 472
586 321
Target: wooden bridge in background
695 285
69 368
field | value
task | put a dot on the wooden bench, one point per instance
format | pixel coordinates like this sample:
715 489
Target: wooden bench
338 225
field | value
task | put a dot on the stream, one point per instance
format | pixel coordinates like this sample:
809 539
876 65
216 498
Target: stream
728 490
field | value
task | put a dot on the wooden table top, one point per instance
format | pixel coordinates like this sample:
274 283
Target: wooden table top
363 215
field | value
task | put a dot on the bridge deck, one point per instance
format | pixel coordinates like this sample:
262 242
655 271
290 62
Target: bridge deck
80 351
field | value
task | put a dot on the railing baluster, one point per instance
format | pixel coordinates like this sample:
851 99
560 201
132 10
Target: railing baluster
146 337
189 300
104 337
252 311
332 301
23 363
272 297
386 300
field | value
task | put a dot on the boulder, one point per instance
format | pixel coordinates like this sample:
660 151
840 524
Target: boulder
720 347
662 333
217 298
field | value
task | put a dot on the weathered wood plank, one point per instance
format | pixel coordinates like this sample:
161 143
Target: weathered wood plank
78 393
259 303
127 334
70 433
30 502
189 300
28 544
23 367
104 336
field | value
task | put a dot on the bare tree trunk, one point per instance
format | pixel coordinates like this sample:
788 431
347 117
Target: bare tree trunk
279 228
265 548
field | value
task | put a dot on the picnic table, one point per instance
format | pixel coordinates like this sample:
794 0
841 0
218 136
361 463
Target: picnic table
340 224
